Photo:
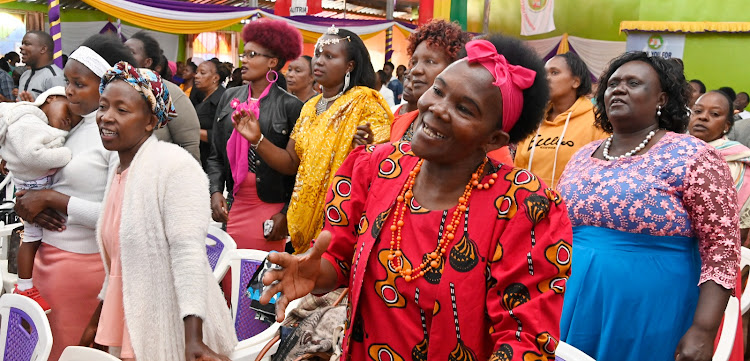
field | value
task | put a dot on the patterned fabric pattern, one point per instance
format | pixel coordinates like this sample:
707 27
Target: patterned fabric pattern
19 344
323 142
245 323
146 82
738 160
482 300
680 187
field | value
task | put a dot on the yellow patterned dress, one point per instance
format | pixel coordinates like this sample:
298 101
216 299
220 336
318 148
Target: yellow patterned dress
322 143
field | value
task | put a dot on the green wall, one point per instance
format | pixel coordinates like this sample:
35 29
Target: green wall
718 59
594 19
67 15
694 10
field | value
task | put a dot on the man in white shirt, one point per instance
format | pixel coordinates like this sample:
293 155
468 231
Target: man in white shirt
37 48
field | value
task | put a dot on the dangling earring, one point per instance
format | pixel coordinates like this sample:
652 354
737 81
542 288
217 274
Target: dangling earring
275 75
658 111
346 81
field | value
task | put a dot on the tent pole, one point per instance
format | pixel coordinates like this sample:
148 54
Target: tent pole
389 5
55 30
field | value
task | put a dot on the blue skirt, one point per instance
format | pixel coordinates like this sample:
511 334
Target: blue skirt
630 296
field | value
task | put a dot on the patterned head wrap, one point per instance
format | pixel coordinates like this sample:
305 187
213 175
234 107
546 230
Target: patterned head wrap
146 82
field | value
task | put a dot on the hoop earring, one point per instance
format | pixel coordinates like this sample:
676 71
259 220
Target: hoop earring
276 75
658 111
347 78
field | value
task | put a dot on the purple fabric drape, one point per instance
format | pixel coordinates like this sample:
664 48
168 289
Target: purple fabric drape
342 23
190 7
572 50
174 5
109 27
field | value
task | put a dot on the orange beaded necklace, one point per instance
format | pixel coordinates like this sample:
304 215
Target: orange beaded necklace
402 202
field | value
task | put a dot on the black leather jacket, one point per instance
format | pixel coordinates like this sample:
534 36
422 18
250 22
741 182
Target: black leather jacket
279 111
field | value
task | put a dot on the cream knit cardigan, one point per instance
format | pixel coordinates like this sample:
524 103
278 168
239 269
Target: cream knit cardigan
165 271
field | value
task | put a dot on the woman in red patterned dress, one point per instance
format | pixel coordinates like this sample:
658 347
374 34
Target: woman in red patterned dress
447 253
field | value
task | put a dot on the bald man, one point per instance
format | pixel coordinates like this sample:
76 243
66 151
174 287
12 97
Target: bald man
37 50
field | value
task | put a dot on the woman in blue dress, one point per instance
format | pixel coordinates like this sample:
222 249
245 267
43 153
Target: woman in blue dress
655 224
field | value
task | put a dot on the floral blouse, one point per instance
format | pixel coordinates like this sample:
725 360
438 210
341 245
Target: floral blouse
680 187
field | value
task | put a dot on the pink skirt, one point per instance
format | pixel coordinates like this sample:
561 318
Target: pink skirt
245 223
70 282
247 215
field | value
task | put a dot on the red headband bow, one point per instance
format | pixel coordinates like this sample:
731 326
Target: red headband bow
511 79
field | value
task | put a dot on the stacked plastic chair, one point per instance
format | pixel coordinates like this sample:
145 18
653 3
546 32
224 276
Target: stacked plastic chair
25 334
80 353
253 334
218 247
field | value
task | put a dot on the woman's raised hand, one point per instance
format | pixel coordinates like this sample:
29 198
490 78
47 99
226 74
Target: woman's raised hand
363 136
298 275
247 125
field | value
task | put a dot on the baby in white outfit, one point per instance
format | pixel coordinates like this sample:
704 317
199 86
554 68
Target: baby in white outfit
31 142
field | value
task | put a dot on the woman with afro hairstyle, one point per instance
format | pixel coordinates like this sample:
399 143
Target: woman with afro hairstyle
260 189
348 113
432 48
655 224
448 254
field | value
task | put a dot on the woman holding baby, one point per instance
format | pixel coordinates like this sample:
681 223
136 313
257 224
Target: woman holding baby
68 271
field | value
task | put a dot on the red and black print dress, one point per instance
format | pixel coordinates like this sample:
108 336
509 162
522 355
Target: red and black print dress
499 290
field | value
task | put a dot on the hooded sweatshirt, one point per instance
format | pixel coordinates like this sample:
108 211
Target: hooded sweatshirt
29 145
546 152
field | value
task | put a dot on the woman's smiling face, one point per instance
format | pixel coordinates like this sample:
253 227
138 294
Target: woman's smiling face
124 118
459 115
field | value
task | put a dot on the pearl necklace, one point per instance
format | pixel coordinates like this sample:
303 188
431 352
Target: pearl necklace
630 153
402 201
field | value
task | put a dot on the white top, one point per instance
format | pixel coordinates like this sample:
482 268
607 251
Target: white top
388 95
744 114
84 180
29 145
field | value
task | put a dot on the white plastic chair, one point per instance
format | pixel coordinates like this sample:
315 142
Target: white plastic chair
728 330
7 186
565 352
745 261
243 263
80 353
218 246
25 333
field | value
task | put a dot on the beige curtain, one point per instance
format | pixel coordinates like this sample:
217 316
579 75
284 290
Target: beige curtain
220 44
35 21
